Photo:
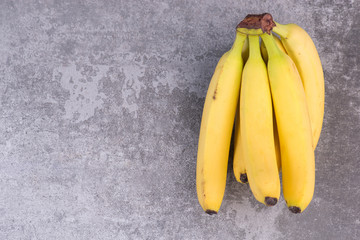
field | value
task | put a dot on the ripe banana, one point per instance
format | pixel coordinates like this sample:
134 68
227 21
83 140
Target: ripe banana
238 159
293 122
301 49
263 48
257 133
276 135
216 127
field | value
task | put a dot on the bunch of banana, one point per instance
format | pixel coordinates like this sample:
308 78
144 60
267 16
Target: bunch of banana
274 91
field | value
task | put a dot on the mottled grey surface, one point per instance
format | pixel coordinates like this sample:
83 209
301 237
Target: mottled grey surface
100 109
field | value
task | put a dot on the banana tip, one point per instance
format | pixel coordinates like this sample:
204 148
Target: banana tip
270 201
243 178
210 212
294 209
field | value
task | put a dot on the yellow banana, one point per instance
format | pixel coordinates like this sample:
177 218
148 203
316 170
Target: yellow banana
265 57
301 49
293 122
257 133
263 48
216 128
238 159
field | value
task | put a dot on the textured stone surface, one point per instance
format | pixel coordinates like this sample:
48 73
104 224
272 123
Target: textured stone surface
100 108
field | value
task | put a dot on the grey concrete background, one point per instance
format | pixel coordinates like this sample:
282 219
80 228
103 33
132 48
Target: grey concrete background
100 111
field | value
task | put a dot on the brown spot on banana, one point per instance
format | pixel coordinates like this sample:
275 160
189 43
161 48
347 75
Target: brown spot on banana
215 91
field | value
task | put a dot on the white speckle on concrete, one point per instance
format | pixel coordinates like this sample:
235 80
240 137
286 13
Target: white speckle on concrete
84 97
133 87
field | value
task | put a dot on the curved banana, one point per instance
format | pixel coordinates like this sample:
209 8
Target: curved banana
301 49
263 48
216 128
257 133
238 159
294 128
276 136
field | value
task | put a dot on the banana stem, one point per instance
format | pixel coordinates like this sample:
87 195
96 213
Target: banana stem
281 30
254 47
239 42
270 45
256 22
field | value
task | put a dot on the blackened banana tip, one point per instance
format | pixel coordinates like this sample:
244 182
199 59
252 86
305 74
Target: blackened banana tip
243 178
210 212
295 209
270 201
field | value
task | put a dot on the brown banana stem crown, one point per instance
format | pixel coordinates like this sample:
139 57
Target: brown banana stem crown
263 21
